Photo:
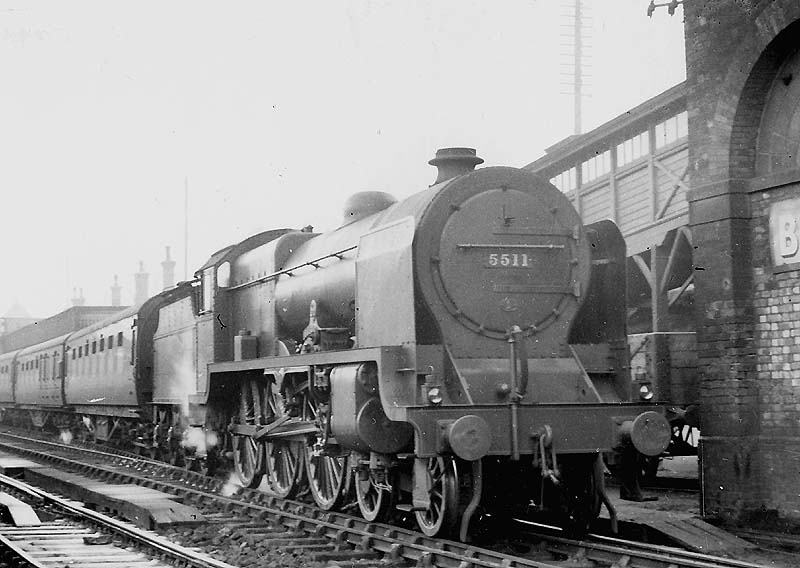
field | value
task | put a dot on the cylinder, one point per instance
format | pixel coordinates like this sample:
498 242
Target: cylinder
357 418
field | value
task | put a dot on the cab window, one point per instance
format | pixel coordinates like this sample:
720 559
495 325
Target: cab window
224 275
208 290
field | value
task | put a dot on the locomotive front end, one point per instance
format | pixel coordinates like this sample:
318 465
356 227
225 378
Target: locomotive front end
523 337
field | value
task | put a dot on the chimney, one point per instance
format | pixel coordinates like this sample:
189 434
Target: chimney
140 280
78 299
168 271
116 293
452 162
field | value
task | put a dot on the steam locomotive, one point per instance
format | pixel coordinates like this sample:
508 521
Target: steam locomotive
458 353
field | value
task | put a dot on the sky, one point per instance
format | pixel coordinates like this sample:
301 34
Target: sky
272 114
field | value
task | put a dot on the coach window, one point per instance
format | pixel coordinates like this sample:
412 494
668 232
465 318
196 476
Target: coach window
119 339
94 347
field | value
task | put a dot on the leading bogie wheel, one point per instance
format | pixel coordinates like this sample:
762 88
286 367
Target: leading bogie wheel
374 495
442 516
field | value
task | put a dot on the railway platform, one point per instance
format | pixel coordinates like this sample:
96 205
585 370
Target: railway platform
675 517
673 514
146 508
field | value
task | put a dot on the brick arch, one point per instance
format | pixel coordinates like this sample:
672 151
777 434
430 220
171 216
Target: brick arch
763 56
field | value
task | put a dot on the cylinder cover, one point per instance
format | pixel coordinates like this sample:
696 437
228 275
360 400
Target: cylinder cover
358 421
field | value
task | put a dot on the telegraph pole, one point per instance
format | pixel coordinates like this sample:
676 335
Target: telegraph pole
186 228
578 68
574 37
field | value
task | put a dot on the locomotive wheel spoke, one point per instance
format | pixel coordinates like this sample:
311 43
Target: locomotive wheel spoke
283 465
328 476
441 517
248 455
283 459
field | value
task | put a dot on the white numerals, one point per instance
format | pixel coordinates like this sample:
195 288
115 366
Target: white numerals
509 260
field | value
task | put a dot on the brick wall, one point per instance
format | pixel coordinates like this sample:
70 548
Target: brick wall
744 309
755 469
777 309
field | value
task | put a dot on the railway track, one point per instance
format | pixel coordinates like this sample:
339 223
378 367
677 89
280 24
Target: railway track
260 527
75 536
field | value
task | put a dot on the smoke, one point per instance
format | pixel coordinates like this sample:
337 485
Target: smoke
175 369
198 440
231 486
212 439
183 381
